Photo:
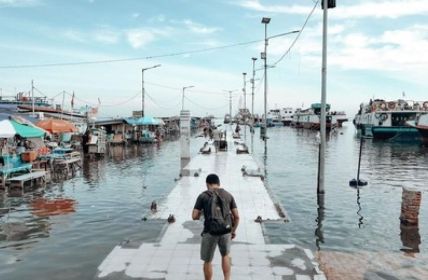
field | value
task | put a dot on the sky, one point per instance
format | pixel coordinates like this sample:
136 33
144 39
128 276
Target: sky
375 49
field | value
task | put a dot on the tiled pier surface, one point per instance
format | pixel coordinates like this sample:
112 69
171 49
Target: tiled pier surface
176 254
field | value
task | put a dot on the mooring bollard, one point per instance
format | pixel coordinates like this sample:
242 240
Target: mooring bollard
409 220
410 204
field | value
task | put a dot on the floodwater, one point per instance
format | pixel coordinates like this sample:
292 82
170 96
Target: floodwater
356 233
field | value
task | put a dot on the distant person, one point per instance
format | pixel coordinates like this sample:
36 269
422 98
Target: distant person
237 129
221 220
217 138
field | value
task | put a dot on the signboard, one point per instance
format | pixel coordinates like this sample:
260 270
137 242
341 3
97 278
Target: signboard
137 114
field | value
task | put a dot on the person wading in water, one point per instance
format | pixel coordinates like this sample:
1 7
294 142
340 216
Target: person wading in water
221 220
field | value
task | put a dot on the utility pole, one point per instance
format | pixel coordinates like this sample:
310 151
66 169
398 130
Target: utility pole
142 86
230 103
182 97
244 89
32 95
321 172
252 88
62 104
263 130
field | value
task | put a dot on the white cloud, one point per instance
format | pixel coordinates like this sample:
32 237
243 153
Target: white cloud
106 36
257 6
376 9
139 38
136 15
398 53
199 28
19 3
74 35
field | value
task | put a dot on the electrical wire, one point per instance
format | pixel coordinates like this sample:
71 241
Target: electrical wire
298 35
203 107
129 59
160 106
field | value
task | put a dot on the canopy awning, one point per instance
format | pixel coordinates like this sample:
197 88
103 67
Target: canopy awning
57 126
9 128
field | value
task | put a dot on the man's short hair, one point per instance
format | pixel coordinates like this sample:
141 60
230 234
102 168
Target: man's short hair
212 179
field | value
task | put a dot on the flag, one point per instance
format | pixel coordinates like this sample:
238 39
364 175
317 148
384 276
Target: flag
404 94
99 101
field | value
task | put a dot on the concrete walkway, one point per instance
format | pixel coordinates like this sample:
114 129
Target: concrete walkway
176 254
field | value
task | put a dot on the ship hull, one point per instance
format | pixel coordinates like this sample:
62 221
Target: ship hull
401 133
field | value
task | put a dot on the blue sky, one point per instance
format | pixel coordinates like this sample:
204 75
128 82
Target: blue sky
376 48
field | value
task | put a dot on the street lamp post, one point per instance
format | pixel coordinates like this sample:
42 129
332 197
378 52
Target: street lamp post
244 89
182 98
265 21
142 86
321 172
252 88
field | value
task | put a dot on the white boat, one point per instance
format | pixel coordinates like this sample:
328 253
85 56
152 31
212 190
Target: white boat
340 117
310 118
389 120
287 115
274 118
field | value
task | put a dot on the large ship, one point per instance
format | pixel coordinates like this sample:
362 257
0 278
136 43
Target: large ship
287 115
389 120
422 126
310 118
274 118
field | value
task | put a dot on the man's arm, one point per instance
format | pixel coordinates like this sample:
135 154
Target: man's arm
235 215
196 214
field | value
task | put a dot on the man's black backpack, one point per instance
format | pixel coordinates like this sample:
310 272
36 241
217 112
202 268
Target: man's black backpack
220 218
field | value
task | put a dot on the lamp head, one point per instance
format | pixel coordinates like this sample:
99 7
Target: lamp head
265 20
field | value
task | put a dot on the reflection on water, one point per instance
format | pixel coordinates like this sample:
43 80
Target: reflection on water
351 237
319 236
106 201
361 218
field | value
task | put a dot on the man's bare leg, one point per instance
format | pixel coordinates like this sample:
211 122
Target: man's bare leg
208 271
225 265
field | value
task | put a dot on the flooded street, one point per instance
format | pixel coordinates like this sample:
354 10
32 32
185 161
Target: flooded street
66 232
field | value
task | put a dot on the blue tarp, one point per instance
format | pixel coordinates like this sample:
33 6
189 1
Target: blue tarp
143 121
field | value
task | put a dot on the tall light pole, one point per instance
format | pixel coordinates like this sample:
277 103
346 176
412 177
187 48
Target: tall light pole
244 89
182 98
252 88
142 86
325 5
265 21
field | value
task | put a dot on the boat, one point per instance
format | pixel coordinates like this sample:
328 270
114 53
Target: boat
148 137
384 120
421 125
274 118
287 115
243 116
310 118
340 117
227 119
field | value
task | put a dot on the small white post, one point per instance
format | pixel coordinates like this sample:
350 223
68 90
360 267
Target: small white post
184 141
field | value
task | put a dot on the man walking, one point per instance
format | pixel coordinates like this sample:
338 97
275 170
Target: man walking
221 220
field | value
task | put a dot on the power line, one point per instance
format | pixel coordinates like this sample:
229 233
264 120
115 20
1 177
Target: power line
129 59
203 107
298 35
161 106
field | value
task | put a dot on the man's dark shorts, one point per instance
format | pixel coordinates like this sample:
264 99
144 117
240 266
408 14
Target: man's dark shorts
209 243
